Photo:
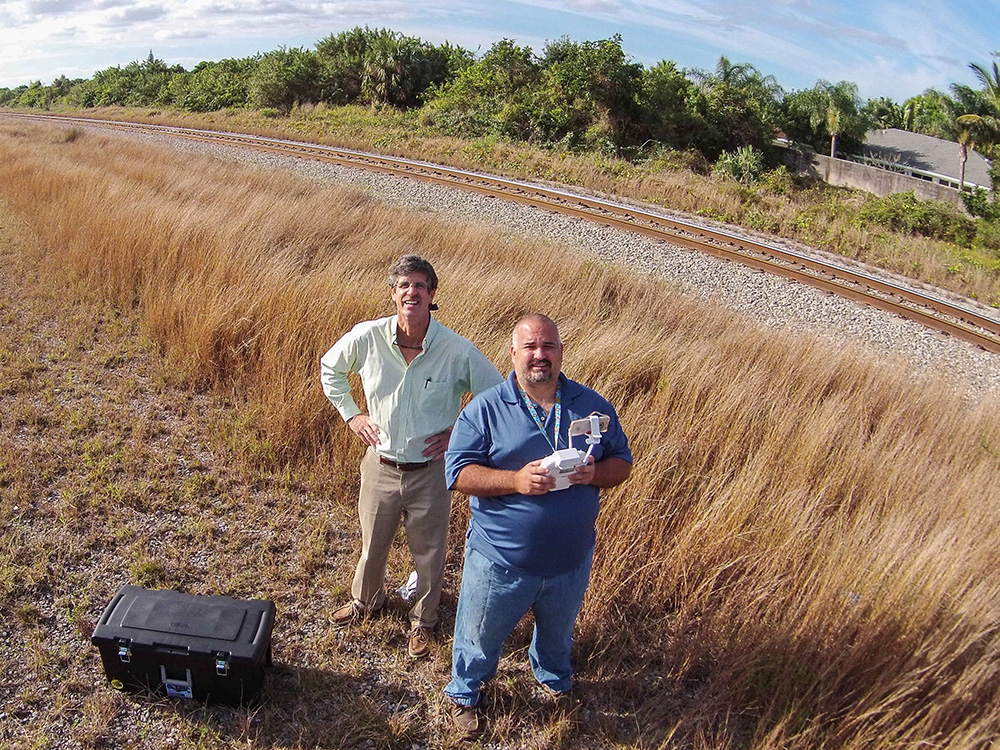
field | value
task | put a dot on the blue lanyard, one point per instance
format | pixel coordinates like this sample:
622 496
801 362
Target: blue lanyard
538 418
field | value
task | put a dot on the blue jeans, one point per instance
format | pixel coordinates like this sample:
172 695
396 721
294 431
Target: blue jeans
490 604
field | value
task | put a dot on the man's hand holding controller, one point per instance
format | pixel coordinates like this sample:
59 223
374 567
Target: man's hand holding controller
569 465
537 479
564 464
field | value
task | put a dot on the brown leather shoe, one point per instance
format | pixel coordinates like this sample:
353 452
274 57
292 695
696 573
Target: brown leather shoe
419 642
467 720
351 613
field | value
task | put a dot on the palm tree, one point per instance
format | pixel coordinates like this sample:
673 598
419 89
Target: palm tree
967 128
972 121
389 70
989 106
990 80
742 76
885 113
742 105
838 107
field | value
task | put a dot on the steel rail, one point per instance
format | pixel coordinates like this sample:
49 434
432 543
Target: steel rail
927 309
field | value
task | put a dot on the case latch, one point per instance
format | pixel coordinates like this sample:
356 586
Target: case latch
221 663
125 650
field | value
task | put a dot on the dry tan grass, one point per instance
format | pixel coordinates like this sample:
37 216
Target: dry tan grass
822 216
806 554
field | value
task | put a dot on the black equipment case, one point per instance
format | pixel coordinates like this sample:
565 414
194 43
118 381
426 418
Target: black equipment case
211 648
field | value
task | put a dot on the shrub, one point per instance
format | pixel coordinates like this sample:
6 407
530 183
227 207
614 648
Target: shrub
284 78
745 165
690 160
979 204
779 181
216 85
988 235
904 212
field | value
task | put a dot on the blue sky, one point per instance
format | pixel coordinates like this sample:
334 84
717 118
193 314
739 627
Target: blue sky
894 48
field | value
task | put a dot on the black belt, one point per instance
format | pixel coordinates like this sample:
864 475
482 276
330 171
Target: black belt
404 467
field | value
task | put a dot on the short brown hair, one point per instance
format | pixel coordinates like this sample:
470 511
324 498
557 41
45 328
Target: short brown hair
410 264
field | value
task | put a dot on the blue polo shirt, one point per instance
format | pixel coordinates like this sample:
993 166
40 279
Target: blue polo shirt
541 535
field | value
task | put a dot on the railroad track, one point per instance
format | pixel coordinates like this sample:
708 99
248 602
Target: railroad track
928 309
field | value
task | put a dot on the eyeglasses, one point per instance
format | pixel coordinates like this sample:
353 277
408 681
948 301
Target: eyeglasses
404 286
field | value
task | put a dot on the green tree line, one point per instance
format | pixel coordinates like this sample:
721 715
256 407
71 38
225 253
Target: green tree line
582 96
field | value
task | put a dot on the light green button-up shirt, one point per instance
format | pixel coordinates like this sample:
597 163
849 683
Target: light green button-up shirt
409 403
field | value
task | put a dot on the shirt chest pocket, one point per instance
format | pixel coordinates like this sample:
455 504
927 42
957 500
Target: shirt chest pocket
438 397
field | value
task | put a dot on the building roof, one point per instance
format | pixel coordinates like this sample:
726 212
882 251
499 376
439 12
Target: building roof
927 154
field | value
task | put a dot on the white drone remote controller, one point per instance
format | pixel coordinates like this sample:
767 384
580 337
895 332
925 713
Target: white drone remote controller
564 462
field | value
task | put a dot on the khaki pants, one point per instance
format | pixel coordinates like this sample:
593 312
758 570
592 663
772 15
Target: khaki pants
423 502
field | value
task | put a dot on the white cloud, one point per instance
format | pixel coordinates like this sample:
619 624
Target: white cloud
135 16
174 34
53 7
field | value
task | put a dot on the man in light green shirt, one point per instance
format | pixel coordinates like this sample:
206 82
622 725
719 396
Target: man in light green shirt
414 372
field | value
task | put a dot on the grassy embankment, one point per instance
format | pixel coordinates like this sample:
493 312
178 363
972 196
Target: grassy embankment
813 213
805 556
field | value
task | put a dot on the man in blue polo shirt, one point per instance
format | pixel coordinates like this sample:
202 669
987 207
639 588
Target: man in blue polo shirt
528 546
